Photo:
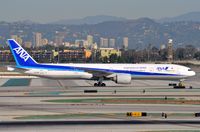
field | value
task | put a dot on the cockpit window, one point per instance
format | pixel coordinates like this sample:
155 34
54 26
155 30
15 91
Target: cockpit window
189 70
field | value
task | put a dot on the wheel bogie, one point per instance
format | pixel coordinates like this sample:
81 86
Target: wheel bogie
99 84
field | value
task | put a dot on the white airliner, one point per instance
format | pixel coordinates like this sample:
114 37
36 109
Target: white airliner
119 73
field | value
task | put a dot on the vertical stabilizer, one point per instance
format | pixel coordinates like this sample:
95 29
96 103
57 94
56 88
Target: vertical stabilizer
22 58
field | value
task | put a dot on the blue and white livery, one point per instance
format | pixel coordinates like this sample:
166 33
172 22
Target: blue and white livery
119 73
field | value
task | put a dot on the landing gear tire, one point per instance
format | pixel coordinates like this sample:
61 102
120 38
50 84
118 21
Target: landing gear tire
103 84
95 84
172 84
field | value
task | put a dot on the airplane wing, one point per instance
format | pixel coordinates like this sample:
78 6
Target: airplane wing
98 72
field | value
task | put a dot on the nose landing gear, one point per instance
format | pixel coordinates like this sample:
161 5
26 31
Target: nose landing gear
179 85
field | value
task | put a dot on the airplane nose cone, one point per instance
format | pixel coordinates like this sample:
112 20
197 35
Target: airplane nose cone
192 73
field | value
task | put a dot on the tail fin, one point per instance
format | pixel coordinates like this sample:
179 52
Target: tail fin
22 58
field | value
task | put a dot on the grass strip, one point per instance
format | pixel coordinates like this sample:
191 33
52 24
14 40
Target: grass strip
64 116
17 82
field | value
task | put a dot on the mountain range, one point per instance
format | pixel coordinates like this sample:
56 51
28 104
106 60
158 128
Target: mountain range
141 32
191 16
89 20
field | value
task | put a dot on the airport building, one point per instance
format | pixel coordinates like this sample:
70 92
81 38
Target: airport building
72 56
6 56
78 55
42 56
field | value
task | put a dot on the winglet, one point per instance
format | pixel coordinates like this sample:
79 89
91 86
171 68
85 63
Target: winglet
22 58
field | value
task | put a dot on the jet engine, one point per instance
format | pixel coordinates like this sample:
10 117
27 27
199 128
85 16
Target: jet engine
122 78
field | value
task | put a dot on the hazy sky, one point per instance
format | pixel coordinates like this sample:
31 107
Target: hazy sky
52 10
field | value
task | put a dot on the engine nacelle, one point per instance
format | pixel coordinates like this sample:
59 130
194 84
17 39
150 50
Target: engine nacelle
9 68
122 78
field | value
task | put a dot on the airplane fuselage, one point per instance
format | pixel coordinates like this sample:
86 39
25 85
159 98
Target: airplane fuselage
137 71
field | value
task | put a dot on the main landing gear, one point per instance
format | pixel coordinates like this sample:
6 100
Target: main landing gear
179 85
100 83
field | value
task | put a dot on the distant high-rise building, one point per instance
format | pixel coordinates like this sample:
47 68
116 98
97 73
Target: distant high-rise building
17 38
125 43
170 50
90 39
38 39
59 38
111 43
103 42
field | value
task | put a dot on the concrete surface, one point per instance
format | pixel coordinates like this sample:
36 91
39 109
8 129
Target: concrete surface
19 101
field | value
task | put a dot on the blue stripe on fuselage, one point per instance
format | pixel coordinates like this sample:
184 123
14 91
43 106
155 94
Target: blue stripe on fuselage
79 69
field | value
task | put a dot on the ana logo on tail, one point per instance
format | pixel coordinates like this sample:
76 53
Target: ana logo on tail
22 53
